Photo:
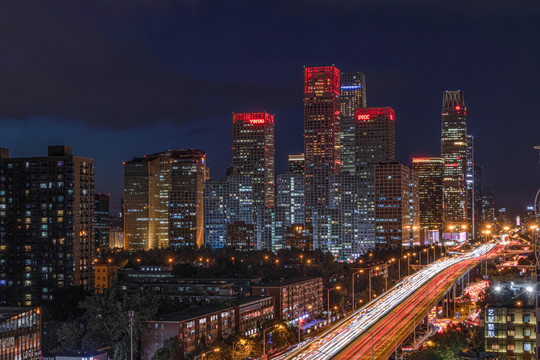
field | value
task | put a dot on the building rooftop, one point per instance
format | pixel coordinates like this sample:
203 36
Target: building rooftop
285 282
250 299
191 313
7 312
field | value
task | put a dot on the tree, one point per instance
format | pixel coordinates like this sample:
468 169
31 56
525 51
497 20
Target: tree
105 322
171 350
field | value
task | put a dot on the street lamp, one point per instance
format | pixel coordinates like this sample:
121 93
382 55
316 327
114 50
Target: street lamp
242 342
328 301
353 274
264 337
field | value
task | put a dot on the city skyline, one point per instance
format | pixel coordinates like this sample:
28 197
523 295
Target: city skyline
408 83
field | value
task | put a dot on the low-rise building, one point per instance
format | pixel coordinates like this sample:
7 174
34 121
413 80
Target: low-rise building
193 327
104 276
20 333
511 332
251 312
293 298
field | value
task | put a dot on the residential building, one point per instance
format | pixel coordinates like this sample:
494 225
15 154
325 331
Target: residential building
293 298
252 312
46 225
20 333
193 327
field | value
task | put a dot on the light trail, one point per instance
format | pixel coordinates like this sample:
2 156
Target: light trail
344 333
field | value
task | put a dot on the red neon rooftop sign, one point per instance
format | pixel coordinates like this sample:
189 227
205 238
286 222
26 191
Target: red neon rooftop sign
254 118
322 79
370 113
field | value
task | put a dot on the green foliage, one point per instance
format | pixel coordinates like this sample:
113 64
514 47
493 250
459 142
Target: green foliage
171 350
449 344
105 322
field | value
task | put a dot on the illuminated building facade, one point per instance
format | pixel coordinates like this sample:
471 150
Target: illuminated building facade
510 332
397 216
46 225
20 333
321 133
104 276
101 217
294 297
253 153
375 143
241 235
224 203
290 197
430 173
353 96
454 153
296 163
164 199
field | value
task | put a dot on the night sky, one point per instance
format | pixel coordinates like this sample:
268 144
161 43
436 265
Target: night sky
118 79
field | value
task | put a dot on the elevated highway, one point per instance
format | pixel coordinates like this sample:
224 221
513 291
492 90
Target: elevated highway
376 330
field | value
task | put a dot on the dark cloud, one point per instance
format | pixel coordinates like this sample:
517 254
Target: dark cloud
52 67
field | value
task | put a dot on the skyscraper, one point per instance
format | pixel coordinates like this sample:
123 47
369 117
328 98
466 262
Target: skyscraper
226 202
164 199
296 163
101 216
454 153
290 197
321 133
430 173
375 135
353 96
253 153
375 143
397 218
46 225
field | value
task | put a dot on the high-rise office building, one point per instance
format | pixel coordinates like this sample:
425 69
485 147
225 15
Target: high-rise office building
454 153
186 198
290 197
375 135
353 96
321 133
375 143
226 202
46 225
296 163
101 218
253 153
430 173
397 217
164 199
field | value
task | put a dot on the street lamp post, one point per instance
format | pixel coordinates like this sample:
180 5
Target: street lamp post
328 301
354 273
131 315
